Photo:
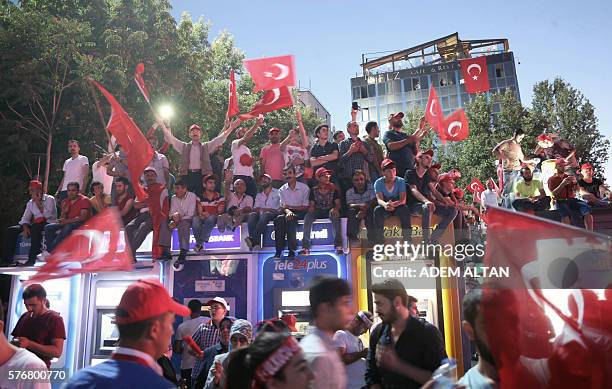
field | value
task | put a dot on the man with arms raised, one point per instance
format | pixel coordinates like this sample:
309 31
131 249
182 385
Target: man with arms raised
144 319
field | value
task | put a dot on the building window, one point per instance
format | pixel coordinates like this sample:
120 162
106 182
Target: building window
499 70
371 90
382 89
364 91
356 94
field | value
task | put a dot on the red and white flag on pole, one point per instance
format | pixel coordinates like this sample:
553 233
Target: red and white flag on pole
547 319
271 101
271 72
140 68
475 74
97 246
232 106
138 150
454 127
433 111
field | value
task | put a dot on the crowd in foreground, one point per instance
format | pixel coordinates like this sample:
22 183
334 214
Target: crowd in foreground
300 179
225 352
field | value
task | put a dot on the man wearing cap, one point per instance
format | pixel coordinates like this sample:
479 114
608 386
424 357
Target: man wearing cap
238 204
153 213
241 335
209 207
354 154
592 189
391 196
360 200
551 147
266 209
563 187
207 333
39 211
324 203
401 147
351 349
144 318
294 200
241 155
272 159
376 151
195 155
187 328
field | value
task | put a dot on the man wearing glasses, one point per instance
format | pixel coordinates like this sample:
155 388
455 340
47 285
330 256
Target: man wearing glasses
207 334
75 210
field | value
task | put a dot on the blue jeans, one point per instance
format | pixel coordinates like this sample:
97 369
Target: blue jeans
380 214
321 214
510 178
55 233
447 215
257 225
203 227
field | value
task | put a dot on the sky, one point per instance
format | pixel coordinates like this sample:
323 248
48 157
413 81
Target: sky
567 39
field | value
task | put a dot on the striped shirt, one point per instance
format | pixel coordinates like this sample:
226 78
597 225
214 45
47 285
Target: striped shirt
205 336
214 205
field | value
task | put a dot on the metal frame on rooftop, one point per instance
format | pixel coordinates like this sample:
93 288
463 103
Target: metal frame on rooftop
446 49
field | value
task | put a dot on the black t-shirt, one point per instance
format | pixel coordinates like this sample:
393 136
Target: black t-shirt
421 183
318 151
592 187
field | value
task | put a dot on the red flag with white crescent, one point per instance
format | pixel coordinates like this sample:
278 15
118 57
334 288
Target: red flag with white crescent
454 127
98 245
140 81
232 106
271 101
475 186
433 112
475 74
137 148
271 72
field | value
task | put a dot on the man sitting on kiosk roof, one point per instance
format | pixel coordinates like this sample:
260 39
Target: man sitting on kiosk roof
144 319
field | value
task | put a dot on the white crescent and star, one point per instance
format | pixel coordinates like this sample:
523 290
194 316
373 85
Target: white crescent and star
431 108
284 72
474 186
453 125
474 66
276 92
96 242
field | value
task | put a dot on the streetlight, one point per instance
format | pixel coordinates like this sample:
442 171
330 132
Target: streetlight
166 111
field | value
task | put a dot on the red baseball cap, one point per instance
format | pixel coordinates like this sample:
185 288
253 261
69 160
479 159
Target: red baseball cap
290 320
428 152
145 299
271 130
398 114
445 177
387 163
35 184
321 171
195 127
436 166
458 193
584 166
544 137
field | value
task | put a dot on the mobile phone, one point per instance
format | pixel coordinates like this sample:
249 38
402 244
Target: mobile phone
356 106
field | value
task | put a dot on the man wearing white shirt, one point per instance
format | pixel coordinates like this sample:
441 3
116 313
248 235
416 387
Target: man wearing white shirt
18 360
159 162
98 171
39 211
267 207
182 211
241 155
489 197
76 169
351 349
294 201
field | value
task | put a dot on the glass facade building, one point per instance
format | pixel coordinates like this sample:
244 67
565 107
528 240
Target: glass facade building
380 93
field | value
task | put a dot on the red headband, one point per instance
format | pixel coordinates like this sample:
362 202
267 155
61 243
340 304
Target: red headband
275 362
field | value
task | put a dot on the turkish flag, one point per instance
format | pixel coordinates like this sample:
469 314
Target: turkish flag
272 72
271 101
232 106
454 127
97 246
137 148
553 272
476 186
140 81
475 74
159 207
433 112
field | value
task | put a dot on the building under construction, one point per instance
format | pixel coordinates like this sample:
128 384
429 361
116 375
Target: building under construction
400 80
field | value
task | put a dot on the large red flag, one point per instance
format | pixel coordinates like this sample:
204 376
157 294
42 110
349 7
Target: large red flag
140 81
137 148
272 72
271 100
97 246
433 112
552 330
454 127
475 74
232 106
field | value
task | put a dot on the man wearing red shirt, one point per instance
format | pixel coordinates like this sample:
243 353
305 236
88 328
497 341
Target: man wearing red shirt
39 330
75 210
272 159
564 187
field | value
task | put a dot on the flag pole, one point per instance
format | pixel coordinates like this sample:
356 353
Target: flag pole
38 171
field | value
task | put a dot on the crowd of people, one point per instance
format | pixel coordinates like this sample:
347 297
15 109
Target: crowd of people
365 180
